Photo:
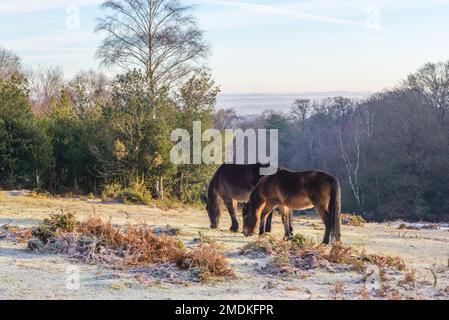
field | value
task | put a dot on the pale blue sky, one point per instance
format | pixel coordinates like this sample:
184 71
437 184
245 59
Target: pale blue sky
264 46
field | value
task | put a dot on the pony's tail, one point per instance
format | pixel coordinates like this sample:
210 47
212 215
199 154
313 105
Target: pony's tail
335 211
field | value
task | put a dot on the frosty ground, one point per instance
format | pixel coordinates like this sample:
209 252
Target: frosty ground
27 275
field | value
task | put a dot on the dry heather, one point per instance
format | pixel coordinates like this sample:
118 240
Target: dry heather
303 254
99 242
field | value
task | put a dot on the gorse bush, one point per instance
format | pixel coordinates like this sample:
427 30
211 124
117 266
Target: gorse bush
300 241
130 196
352 220
111 192
54 225
114 191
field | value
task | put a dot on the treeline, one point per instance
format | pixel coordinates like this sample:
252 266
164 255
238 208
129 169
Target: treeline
390 152
93 132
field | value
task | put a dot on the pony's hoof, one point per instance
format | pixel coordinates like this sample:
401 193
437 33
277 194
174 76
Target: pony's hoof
234 229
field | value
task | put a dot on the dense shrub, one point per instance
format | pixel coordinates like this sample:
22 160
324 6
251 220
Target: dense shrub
111 192
55 224
130 196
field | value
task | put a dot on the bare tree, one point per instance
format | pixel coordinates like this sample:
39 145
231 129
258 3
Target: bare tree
301 108
88 89
432 82
10 64
44 84
225 119
160 37
351 155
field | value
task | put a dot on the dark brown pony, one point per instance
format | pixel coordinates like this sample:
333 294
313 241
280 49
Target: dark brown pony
295 190
232 184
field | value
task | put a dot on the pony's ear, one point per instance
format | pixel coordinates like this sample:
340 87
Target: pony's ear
204 199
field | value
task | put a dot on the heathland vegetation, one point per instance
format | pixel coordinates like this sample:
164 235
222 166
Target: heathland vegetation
111 137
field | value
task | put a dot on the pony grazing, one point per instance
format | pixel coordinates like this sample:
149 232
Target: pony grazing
299 191
232 184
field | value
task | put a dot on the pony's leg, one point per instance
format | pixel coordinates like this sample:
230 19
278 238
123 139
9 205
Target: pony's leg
286 219
214 210
322 212
290 217
269 222
266 213
231 205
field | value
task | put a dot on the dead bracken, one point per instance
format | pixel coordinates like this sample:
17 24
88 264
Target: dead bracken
15 233
288 256
101 243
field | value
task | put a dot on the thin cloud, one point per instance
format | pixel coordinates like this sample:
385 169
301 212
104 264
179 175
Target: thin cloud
323 11
280 11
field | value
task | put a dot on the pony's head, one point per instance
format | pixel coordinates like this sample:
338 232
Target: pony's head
249 220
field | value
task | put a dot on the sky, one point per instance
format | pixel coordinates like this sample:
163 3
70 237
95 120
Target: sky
264 46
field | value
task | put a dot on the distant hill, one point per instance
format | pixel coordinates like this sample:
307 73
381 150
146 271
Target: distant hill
249 104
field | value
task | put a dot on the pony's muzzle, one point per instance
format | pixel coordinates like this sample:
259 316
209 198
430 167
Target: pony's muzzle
214 226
